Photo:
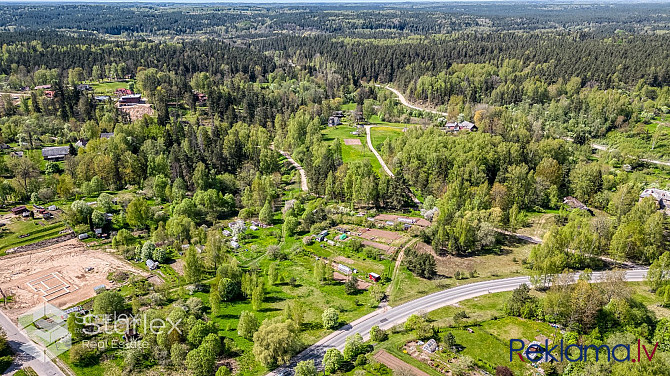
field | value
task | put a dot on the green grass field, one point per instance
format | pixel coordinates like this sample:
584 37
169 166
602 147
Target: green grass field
351 153
108 87
638 140
38 229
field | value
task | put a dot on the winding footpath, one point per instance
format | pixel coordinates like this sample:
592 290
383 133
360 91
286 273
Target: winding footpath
601 147
406 103
384 166
301 171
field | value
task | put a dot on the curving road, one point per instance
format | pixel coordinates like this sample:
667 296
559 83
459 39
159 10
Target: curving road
389 317
406 103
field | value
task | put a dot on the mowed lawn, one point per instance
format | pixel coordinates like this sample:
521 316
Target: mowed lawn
37 229
109 87
351 153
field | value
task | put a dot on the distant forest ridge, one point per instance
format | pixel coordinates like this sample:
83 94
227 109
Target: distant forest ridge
376 18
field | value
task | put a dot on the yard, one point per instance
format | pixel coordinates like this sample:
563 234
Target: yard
20 232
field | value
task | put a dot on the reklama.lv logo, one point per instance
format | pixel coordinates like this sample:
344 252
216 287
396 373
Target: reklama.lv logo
535 352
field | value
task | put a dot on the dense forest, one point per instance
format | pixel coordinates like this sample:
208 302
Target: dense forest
248 150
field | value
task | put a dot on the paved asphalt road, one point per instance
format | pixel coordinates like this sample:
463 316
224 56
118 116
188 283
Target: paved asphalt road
28 353
387 318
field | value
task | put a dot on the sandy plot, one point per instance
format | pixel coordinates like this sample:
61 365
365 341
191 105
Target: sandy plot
389 250
343 260
137 111
352 141
63 275
362 284
380 236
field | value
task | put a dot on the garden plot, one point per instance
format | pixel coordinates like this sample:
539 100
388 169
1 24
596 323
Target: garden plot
352 141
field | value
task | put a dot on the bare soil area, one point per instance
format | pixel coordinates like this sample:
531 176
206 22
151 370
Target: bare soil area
396 364
62 274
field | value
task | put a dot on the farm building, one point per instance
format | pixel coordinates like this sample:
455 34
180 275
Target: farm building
374 277
19 210
55 153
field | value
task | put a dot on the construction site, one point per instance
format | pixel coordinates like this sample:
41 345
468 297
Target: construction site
61 274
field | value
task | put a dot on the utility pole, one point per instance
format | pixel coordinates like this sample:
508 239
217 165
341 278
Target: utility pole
4 297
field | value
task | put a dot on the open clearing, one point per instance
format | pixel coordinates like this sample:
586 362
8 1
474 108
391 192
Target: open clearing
62 275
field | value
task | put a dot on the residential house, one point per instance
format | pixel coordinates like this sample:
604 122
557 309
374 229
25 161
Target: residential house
334 121
130 99
662 198
49 94
55 153
107 135
456 127
84 87
43 87
576 204
122 91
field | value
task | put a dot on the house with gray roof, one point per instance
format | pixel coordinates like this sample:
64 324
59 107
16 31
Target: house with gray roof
55 153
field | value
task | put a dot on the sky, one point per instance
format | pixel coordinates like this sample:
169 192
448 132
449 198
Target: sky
325 1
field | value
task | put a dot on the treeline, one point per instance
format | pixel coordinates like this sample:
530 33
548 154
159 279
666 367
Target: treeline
608 61
25 52
364 19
